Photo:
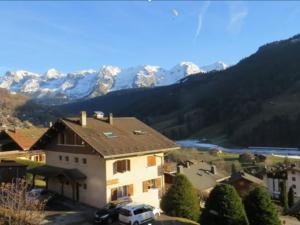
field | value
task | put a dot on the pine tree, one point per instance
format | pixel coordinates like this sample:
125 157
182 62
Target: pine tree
224 207
291 196
181 199
260 208
283 196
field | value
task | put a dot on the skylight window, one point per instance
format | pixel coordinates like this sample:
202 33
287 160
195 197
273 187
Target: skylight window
139 132
110 135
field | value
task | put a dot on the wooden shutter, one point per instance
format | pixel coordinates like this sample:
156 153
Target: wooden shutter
145 186
114 194
158 183
151 160
128 165
130 190
119 166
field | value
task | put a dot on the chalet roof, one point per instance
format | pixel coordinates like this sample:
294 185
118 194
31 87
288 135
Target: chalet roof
127 136
25 137
201 176
242 175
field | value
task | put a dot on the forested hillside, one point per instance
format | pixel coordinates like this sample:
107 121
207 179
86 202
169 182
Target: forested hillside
256 102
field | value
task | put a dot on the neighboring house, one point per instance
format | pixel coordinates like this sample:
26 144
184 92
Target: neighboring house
22 139
244 182
289 176
98 160
274 178
202 175
10 170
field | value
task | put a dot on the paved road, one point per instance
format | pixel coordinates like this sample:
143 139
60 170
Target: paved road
289 220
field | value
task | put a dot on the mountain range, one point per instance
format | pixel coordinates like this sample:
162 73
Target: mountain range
57 87
253 103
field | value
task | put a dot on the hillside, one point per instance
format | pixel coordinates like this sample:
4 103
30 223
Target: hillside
255 102
19 111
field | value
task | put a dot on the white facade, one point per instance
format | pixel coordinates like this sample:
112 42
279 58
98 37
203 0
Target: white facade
293 180
96 189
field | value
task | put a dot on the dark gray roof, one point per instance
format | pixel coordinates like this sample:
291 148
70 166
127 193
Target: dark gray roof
52 171
201 177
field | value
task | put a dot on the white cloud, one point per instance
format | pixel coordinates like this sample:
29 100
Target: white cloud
237 14
201 15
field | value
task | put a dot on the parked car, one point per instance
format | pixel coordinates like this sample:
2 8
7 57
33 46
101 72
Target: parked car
41 194
109 213
134 214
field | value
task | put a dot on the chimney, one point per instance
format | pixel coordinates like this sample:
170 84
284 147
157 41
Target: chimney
83 118
179 168
111 119
213 169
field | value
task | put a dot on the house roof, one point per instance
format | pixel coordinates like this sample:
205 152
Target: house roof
242 175
127 136
11 163
200 175
25 137
52 171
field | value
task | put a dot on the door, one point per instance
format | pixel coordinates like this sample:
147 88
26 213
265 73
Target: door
77 192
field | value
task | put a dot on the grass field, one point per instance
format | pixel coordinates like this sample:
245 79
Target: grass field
39 182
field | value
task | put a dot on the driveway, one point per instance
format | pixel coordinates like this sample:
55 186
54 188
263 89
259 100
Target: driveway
288 220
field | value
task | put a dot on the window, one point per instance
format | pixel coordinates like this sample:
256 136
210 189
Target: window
293 172
153 183
139 132
76 159
60 157
151 160
67 182
294 186
121 166
110 135
67 158
62 139
84 186
122 191
84 161
293 178
68 137
138 211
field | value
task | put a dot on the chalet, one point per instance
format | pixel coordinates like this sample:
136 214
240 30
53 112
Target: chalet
100 159
20 140
244 182
10 170
202 175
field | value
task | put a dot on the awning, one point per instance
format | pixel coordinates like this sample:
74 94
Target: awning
52 171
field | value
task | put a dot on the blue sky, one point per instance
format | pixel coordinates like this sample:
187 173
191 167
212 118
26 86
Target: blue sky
78 35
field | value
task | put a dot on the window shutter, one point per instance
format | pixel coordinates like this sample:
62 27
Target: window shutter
145 186
130 190
119 166
128 165
151 160
114 194
158 183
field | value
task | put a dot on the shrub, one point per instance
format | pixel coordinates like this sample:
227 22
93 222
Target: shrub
224 207
181 199
291 199
260 209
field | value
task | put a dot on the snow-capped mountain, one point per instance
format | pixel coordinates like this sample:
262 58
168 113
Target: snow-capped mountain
91 83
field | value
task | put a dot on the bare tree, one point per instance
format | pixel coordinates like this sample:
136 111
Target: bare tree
17 206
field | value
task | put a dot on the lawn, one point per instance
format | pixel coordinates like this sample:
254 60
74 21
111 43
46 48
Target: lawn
39 182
